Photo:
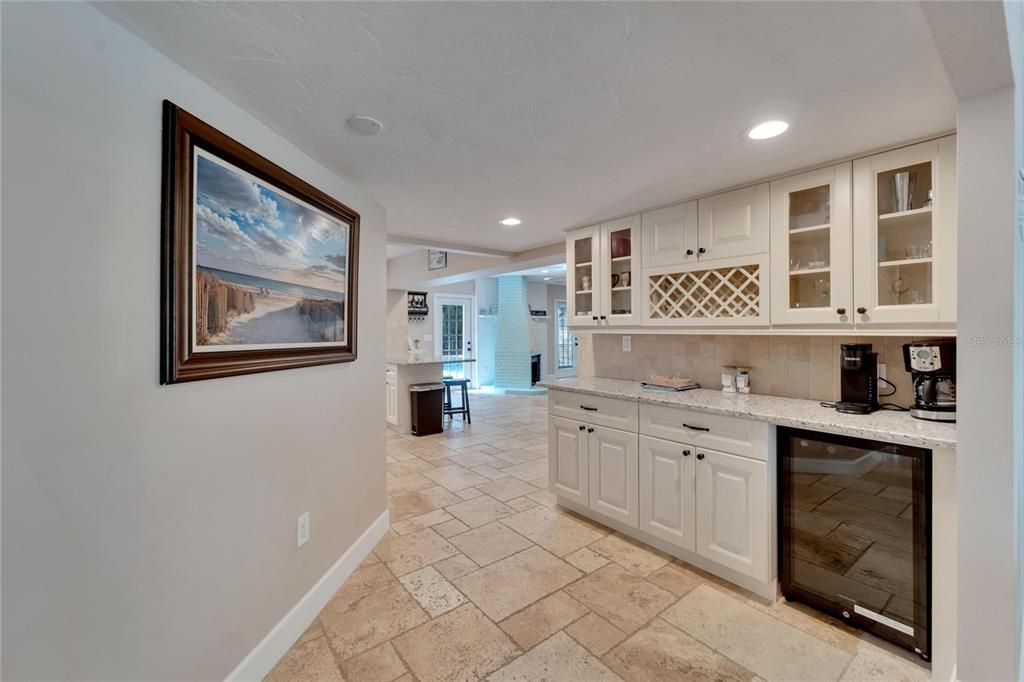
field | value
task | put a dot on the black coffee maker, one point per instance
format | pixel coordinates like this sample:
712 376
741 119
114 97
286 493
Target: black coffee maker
932 367
858 379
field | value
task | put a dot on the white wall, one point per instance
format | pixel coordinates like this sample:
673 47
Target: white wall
988 526
149 531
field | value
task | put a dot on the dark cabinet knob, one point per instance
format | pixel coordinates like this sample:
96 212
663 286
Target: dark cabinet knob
603 317
700 455
840 311
686 453
590 430
582 427
702 250
595 318
689 252
862 310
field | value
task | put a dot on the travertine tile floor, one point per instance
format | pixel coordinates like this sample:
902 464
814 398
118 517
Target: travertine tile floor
482 577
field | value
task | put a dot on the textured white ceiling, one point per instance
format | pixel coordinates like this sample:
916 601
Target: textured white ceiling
565 113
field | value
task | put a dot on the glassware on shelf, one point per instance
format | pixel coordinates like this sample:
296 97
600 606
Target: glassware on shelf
903 190
817 261
915 297
899 287
822 288
794 264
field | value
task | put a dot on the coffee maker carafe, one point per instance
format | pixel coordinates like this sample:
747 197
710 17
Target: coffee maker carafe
932 367
858 374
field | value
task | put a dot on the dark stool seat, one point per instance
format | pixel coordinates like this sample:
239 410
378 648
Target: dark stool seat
463 407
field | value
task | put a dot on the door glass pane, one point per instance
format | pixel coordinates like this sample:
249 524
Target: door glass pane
453 329
621 271
565 339
905 235
810 230
584 276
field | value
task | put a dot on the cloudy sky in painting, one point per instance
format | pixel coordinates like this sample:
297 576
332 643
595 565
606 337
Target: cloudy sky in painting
244 226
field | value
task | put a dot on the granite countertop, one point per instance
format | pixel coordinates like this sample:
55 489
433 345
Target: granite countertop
885 425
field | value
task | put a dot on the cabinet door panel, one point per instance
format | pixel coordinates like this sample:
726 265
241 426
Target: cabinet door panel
904 217
670 235
732 512
667 491
567 459
584 275
734 223
812 248
614 474
620 253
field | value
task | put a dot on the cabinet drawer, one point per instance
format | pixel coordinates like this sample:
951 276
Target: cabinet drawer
730 434
615 414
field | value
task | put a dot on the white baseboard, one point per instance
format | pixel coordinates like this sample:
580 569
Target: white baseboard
282 636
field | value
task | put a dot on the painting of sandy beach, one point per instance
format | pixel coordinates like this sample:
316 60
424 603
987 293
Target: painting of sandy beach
259 268
270 269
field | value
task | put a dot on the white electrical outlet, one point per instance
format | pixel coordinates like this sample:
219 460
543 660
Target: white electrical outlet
302 530
428 337
627 344
881 371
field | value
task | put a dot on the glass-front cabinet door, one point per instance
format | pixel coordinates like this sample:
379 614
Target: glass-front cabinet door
621 267
812 248
583 275
904 227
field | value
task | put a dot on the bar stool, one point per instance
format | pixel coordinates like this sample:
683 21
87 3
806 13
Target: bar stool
463 408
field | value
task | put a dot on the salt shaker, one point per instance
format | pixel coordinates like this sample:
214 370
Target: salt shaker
728 379
743 379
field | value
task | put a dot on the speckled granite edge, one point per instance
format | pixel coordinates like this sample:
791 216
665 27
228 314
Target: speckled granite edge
886 425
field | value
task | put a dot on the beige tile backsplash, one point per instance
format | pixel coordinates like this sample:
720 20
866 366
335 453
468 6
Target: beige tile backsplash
791 366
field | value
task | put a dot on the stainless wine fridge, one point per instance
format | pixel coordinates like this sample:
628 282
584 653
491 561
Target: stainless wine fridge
855 532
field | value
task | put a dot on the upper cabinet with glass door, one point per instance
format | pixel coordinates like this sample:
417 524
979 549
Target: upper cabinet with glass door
601 261
584 269
620 242
904 218
812 248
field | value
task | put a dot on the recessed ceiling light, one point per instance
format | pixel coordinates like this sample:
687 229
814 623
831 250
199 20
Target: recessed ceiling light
546 278
365 125
544 272
763 131
510 222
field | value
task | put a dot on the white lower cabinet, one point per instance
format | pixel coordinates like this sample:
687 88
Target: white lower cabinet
732 498
568 449
667 491
613 474
712 508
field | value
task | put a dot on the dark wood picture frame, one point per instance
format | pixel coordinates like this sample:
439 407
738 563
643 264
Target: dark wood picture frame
180 362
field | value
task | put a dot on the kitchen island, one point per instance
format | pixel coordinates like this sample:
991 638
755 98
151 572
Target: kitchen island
399 375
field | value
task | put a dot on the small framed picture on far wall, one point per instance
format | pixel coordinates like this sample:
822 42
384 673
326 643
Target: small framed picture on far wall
437 259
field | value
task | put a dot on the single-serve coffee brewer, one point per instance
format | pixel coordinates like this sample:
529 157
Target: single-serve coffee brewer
858 379
932 367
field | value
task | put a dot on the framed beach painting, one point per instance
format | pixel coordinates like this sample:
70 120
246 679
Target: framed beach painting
259 267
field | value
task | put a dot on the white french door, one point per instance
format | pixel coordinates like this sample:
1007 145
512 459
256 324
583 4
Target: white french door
565 342
455 335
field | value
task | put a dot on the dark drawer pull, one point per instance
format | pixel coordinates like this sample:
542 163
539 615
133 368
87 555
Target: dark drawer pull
700 455
696 428
588 409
